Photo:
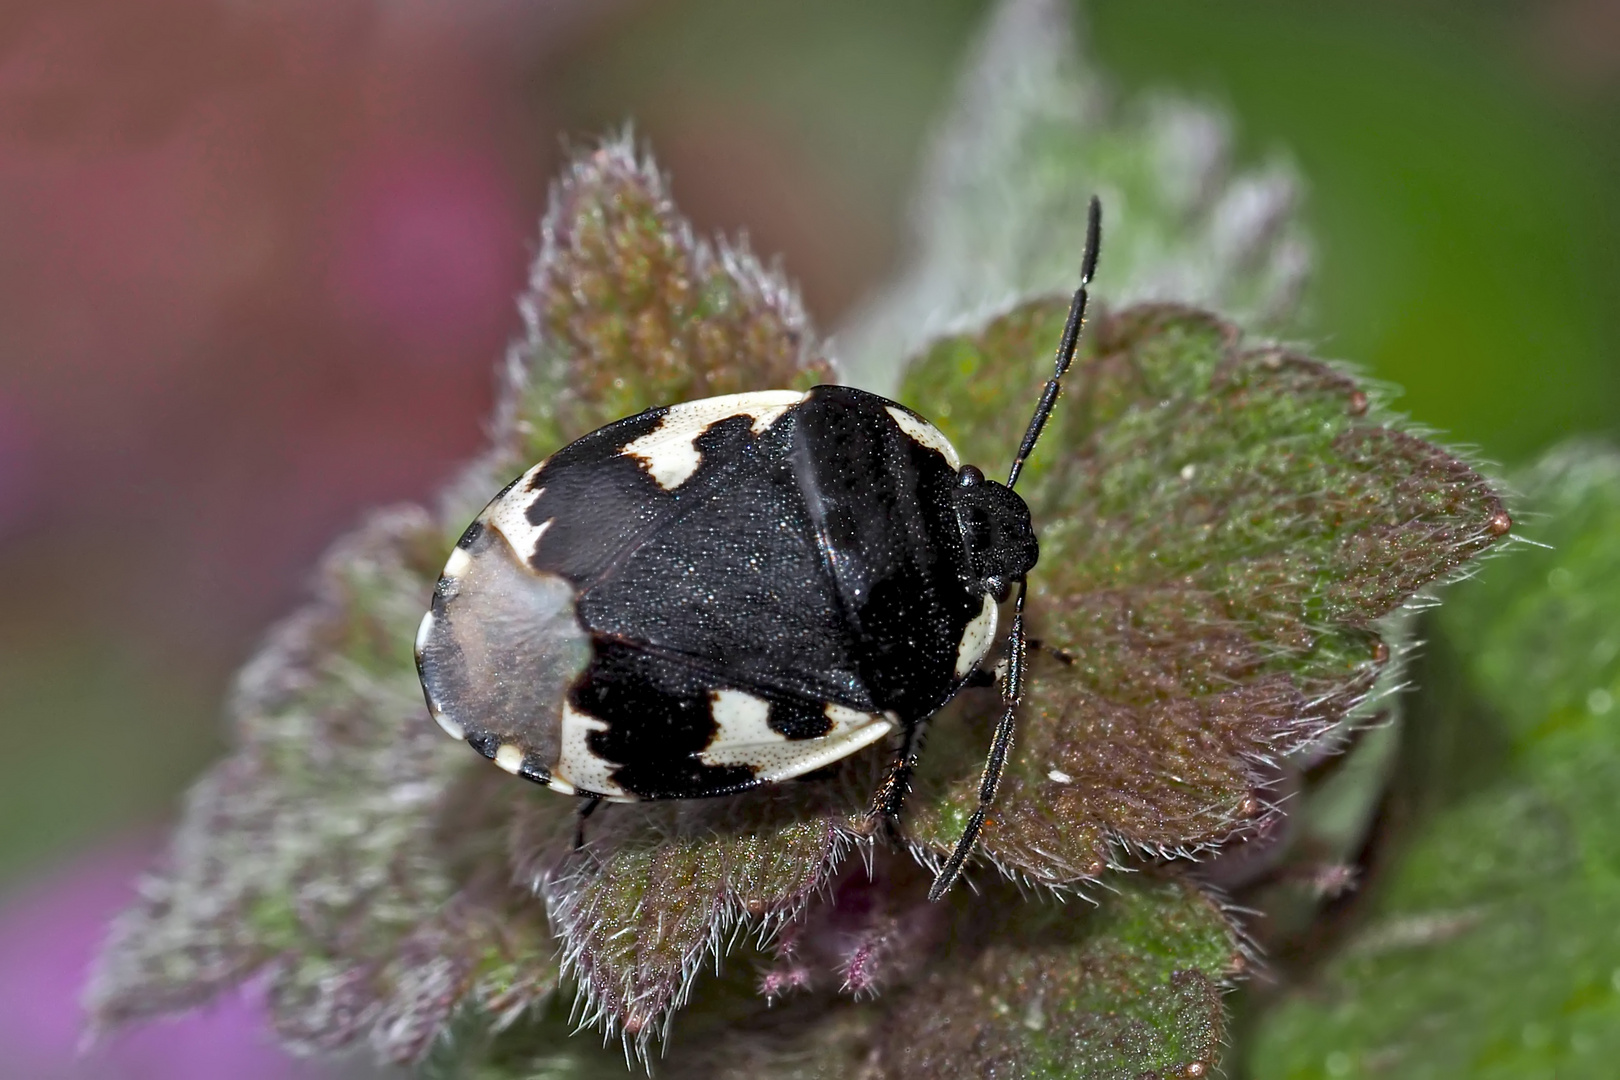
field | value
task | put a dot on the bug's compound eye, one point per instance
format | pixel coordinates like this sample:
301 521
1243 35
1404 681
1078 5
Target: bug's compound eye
969 476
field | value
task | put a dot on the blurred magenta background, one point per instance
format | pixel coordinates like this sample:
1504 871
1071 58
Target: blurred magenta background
257 261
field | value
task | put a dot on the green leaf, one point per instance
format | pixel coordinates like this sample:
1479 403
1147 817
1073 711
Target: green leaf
328 847
1001 210
1222 527
1489 948
1130 989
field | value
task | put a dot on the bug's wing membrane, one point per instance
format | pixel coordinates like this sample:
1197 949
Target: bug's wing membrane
497 651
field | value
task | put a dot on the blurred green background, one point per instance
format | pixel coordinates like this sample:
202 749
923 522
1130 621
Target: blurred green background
257 262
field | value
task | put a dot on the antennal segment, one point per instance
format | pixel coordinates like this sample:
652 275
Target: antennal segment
1066 344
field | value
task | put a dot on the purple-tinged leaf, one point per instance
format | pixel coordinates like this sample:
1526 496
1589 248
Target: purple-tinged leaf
1221 527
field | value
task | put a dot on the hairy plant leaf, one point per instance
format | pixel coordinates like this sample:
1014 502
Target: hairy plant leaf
317 849
731 1033
661 889
1005 987
1222 528
628 309
1489 947
1129 989
1001 209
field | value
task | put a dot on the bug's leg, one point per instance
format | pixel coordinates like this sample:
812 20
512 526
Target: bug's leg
585 811
891 794
979 678
1062 656
1012 691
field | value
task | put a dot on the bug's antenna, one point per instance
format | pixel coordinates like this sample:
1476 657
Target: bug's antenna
1012 685
1066 343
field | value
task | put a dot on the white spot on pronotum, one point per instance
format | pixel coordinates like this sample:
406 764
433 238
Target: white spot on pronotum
451 728
1188 472
1058 776
981 630
925 433
458 563
423 629
670 451
509 758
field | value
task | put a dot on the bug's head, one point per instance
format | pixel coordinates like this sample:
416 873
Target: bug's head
996 532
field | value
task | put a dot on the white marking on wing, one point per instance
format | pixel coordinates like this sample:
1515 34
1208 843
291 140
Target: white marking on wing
745 737
577 764
423 629
509 516
457 564
976 639
741 719
843 717
925 433
670 451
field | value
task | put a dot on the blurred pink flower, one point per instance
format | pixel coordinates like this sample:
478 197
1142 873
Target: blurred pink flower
19 466
49 933
428 247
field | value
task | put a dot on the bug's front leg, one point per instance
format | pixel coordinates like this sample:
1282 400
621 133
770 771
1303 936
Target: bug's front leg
1001 745
586 809
891 793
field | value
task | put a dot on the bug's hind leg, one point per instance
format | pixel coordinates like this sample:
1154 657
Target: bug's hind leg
585 811
1012 692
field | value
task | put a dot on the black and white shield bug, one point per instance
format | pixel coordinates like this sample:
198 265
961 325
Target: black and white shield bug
710 596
